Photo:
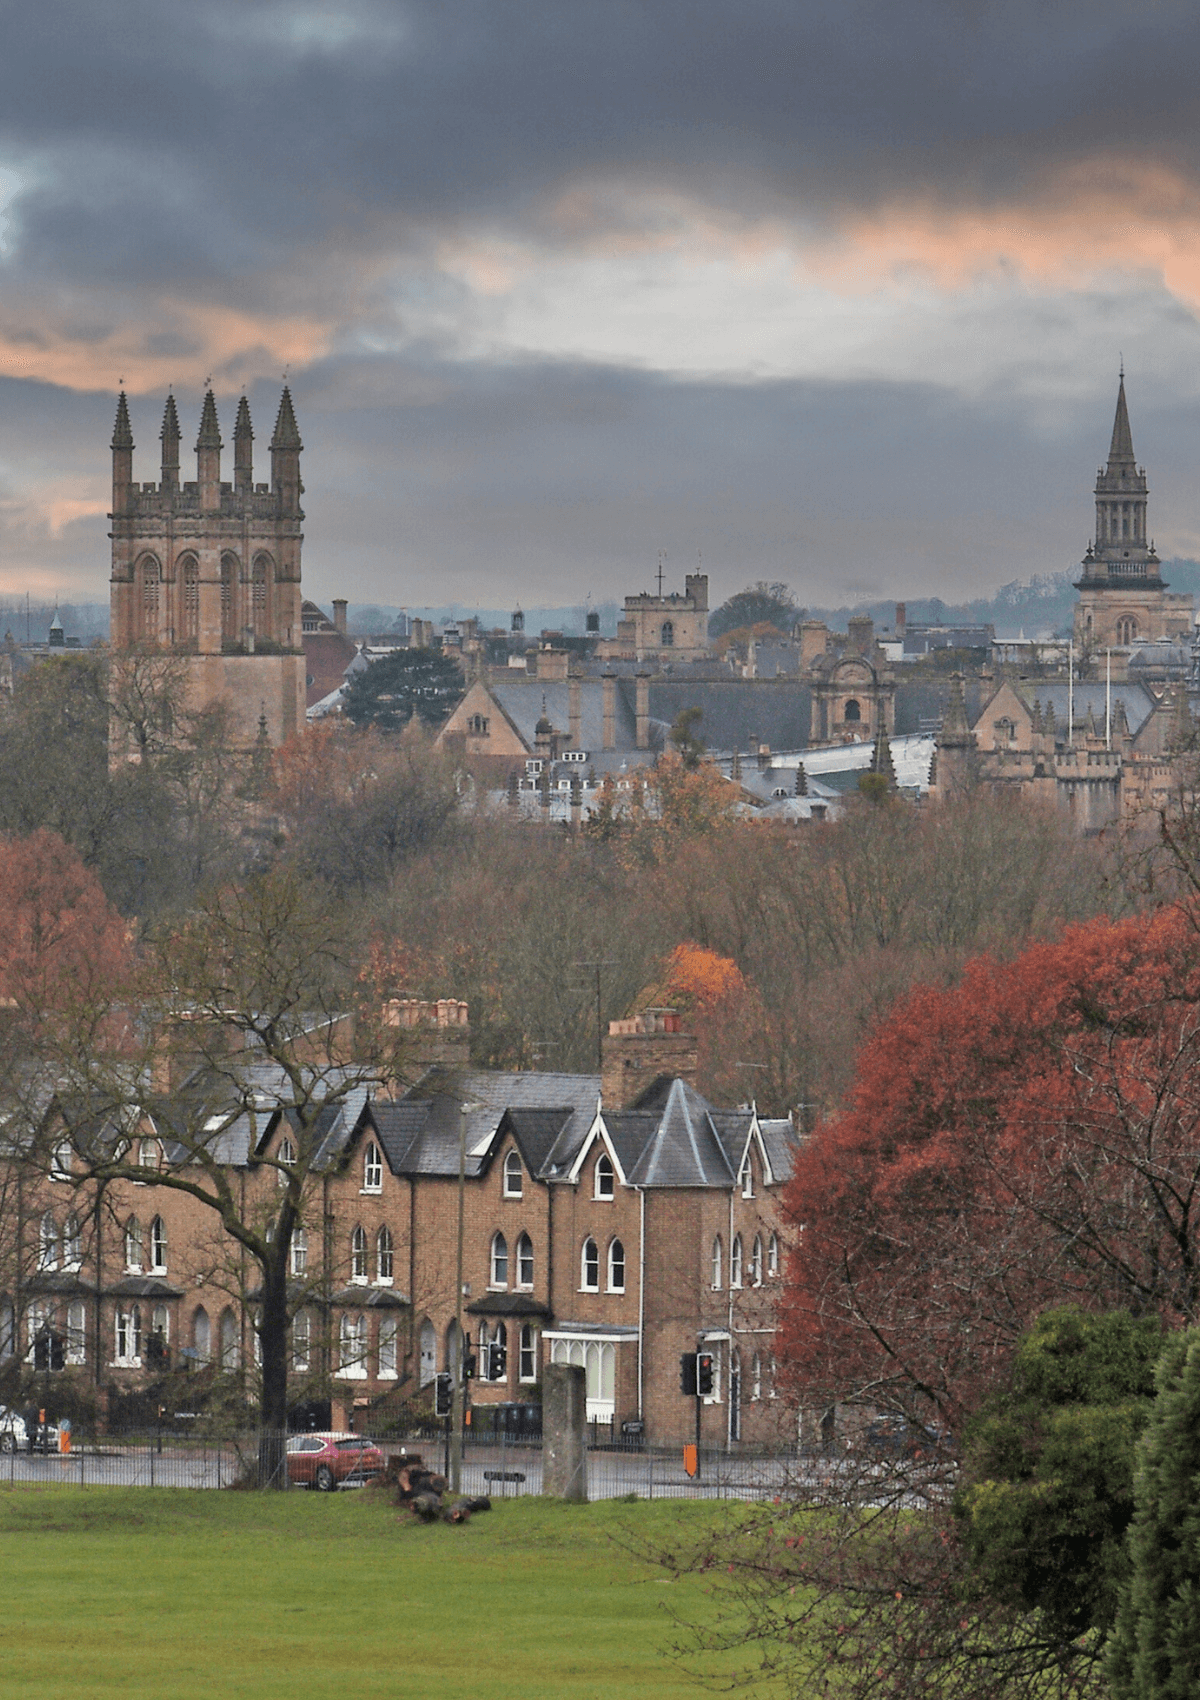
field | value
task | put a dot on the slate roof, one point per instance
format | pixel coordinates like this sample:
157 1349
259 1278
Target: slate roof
521 699
420 1133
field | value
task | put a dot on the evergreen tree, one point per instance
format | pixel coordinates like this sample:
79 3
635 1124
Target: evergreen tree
1154 1653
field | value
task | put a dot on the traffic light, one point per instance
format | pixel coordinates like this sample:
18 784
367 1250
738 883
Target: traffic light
468 1366
497 1361
687 1374
704 1374
443 1397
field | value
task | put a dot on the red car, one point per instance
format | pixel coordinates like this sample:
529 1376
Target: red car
329 1461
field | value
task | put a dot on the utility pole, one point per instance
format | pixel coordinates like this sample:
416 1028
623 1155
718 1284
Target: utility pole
607 962
458 1411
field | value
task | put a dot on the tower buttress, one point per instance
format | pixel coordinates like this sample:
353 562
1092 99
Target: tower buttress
243 450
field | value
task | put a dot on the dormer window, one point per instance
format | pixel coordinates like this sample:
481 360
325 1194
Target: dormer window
746 1179
478 725
514 1176
287 1156
372 1169
605 1176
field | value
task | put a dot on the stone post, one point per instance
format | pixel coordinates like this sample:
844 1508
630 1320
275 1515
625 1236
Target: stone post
564 1431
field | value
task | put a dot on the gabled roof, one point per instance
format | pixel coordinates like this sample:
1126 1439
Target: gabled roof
420 1133
675 1145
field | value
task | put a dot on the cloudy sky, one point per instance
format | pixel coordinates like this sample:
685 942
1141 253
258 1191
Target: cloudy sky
832 291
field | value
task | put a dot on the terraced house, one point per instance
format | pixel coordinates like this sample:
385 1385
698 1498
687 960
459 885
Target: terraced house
616 1220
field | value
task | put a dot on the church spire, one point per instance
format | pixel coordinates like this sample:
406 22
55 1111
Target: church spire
243 448
1120 454
170 435
210 431
208 457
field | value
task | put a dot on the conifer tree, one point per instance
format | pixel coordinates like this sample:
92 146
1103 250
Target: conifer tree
1154 1653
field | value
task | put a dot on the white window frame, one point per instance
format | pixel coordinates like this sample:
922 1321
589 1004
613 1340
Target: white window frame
587 1264
498 1263
385 1257
72 1243
514 1176
135 1249
298 1250
128 1337
301 1341
389 1347
717 1264
286 1155
746 1178
158 1246
756 1262
525 1263
772 1256
47 1255
613 1285
352 1346
604 1175
599 1359
527 1358
61 1161
76 1333
735 1262
372 1168
360 1268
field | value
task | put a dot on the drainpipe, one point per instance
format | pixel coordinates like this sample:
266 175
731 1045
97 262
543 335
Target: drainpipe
729 1313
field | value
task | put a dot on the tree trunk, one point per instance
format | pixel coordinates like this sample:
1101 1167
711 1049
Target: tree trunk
273 1336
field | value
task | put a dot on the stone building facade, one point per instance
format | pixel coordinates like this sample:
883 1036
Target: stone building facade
614 1220
209 570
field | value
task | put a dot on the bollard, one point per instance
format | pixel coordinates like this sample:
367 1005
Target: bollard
64 1438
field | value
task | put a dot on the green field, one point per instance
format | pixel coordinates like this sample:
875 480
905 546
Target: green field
156 1594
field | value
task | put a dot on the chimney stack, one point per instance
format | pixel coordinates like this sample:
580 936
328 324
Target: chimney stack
643 709
609 684
339 614
638 1051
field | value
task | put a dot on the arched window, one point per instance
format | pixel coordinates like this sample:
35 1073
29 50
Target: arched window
301 1341
229 611
201 1334
1127 629
372 1168
358 1255
158 1245
352 1347
150 1155
389 1335
384 1255
48 1242
514 1182
735 1395
287 1156
299 1250
773 1256
756 1377
717 1260
72 1243
735 1262
746 1178
589 1267
129 1335
261 577
76 1333
498 1276
605 1176
852 712
428 1352
527 1365
148 583
616 1267
189 598
160 1325
8 1329
60 1161
756 1262
133 1245
524 1261
667 635
230 1345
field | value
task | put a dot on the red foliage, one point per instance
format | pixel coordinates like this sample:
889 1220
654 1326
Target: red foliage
61 941
1028 1136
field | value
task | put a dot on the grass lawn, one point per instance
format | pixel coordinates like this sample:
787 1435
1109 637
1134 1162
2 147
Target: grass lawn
166 1594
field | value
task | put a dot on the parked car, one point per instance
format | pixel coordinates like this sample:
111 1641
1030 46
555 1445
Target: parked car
329 1461
14 1436
905 1439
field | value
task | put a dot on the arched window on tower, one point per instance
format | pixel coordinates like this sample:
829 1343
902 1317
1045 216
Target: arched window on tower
262 577
148 585
189 595
852 713
1127 629
229 612
668 634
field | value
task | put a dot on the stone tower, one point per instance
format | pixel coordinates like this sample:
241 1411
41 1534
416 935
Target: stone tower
1123 599
210 571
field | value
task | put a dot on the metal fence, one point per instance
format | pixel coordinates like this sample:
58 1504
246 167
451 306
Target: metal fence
501 1465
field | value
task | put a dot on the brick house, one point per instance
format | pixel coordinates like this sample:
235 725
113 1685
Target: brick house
615 1220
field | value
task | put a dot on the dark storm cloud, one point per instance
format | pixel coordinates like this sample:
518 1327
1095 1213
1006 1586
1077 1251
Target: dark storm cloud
210 139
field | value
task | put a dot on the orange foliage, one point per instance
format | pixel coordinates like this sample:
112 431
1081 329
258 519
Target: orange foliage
1029 1136
697 978
61 941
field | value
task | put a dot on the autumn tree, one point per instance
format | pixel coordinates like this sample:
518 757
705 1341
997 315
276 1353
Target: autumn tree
1025 1137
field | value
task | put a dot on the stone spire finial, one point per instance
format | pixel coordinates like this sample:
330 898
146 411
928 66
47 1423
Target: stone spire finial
122 434
210 431
243 428
170 432
881 755
287 436
1120 453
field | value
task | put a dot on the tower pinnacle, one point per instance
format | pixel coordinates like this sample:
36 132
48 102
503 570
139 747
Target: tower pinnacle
122 434
210 431
287 435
